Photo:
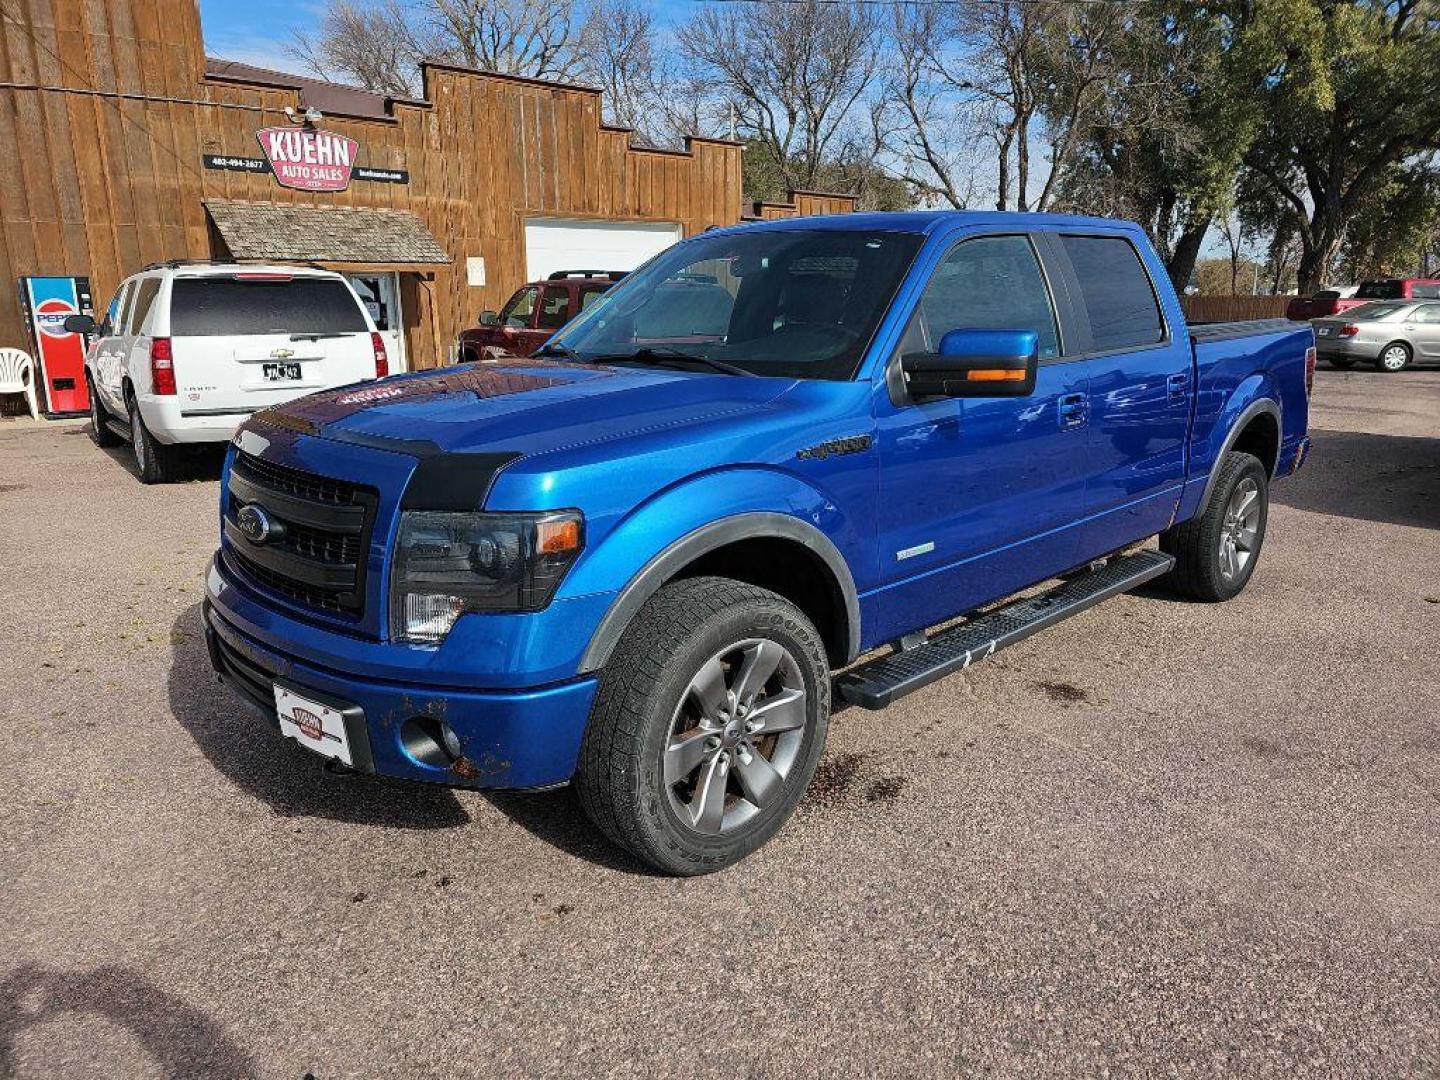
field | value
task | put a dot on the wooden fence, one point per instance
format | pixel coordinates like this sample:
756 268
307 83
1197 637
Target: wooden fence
1200 309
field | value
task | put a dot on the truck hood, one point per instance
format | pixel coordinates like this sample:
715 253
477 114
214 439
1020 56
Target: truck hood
526 407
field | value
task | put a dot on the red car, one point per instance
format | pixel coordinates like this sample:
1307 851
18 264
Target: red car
535 312
1325 304
1320 306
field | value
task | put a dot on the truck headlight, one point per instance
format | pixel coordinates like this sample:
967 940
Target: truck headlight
449 563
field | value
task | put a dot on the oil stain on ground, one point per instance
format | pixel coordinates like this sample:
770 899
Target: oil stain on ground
1065 693
848 780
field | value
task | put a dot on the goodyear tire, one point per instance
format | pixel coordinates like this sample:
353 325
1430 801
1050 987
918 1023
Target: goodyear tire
709 721
1215 553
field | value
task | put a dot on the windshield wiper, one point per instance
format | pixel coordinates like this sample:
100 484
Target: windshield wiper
321 334
552 349
650 354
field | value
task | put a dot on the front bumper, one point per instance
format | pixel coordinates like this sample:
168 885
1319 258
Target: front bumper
507 739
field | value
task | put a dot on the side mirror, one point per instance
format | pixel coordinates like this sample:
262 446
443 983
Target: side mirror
975 363
489 318
80 324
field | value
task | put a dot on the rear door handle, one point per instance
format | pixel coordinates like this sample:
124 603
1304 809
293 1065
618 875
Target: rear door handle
1073 409
1178 385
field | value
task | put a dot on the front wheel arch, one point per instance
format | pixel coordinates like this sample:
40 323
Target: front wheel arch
687 556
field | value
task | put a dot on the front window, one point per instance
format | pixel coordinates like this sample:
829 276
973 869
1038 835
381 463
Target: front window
518 311
795 303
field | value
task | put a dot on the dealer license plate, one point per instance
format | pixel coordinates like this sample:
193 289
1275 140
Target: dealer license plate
314 726
281 372
1323 331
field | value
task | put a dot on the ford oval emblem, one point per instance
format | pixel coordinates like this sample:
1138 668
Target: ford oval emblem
258 526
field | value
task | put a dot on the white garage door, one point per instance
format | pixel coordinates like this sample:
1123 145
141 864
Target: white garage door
553 244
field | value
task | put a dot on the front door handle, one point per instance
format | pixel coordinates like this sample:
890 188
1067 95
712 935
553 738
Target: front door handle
1073 409
1178 386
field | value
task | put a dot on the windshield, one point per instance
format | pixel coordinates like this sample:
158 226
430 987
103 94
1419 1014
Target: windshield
1380 290
797 303
1372 312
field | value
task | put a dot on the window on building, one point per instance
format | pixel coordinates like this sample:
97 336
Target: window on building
1117 292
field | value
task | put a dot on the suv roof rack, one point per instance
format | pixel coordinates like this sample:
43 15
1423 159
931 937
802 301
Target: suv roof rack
172 264
613 275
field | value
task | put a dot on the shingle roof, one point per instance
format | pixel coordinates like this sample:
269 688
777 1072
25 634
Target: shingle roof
329 234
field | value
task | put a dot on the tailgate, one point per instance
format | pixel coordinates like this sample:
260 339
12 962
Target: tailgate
216 374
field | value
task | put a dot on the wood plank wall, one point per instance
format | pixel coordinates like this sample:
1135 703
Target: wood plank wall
110 110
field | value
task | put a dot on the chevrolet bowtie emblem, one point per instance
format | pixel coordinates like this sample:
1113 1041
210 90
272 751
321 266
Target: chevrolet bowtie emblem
282 354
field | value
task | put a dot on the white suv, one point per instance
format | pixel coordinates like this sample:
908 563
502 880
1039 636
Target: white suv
187 351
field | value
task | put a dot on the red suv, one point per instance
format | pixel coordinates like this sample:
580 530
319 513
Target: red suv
534 313
1320 306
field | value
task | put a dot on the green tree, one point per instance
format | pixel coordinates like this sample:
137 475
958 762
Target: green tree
1338 134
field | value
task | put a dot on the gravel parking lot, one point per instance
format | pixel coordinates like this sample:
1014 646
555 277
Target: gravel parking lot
1162 836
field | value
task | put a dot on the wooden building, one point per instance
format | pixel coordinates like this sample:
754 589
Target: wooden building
131 147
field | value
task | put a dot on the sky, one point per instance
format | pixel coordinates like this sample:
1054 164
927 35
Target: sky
255 31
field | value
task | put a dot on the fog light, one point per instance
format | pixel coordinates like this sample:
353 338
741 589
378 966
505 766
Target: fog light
430 741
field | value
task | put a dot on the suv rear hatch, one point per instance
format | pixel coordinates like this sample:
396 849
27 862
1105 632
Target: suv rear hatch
246 341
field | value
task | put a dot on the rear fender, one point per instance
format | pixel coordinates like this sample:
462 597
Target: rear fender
1248 401
675 528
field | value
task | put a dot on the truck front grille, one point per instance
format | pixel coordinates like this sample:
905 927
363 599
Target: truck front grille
316 554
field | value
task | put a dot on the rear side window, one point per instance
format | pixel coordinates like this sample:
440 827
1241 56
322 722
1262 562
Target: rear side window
1425 292
145 295
1117 292
554 307
211 307
589 296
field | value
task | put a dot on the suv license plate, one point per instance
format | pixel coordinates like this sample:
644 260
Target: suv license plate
281 372
314 726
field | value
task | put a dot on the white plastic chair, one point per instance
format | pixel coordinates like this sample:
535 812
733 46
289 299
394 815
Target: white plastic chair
17 376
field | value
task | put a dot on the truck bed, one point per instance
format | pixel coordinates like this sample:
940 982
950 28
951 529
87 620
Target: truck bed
1201 332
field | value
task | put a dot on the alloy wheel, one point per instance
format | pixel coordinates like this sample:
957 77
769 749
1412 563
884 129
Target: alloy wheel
1239 534
736 736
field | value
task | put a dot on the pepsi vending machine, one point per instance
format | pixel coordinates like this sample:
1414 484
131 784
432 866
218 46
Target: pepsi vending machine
60 355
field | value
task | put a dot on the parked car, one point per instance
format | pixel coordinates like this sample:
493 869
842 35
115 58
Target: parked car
1390 334
637 570
1324 303
1399 289
186 351
534 313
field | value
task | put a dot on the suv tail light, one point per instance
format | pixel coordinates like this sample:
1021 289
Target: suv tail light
1348 330
382 358
1309 370
162 367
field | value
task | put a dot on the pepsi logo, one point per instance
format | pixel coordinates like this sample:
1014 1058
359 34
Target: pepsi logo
50 316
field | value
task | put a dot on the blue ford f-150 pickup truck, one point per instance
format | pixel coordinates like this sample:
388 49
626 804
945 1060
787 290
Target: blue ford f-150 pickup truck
635 561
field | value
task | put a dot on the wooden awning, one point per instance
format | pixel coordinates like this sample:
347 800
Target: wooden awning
341 235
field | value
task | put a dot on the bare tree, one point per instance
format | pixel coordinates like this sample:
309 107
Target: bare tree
380 45
536 38
373 46
617 53
792 71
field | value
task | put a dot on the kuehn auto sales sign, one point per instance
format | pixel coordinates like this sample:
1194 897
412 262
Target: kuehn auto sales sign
308 159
